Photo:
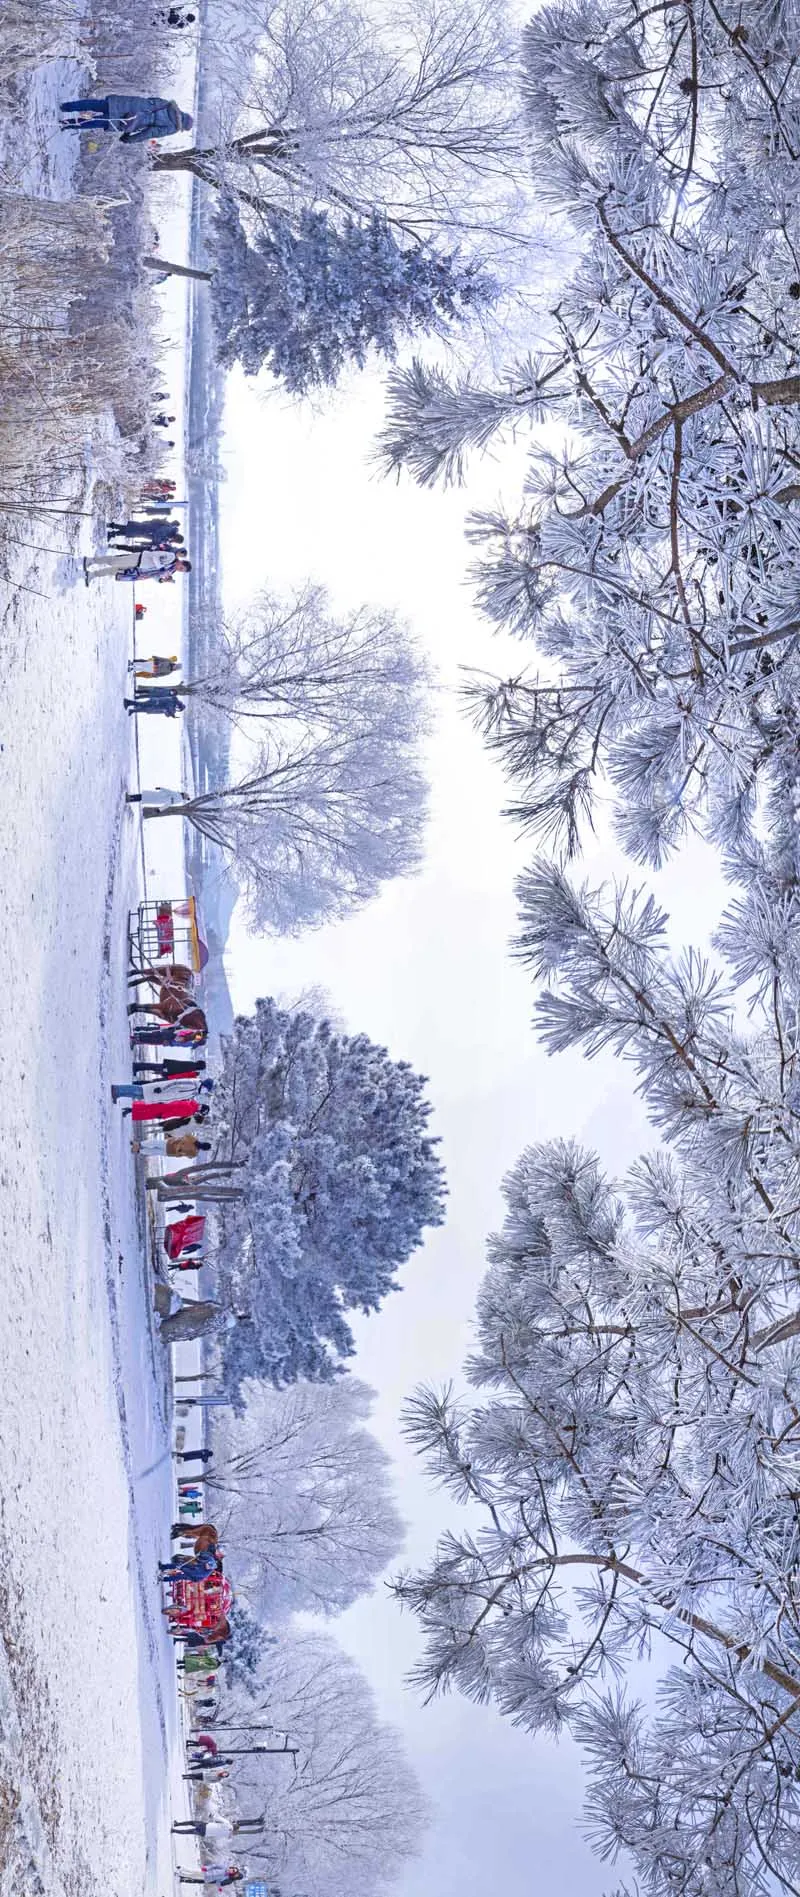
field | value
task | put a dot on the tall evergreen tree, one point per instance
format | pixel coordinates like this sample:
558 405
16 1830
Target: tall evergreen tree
654 559
324 1144
304 296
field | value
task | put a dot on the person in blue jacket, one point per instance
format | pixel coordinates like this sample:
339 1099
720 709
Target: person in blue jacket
196 1569
135 116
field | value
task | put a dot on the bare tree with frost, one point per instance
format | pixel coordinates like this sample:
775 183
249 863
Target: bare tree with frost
303 1498
413 114
328 798
294 660
345 1816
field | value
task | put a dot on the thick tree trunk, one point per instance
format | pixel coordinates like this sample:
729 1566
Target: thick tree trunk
187 160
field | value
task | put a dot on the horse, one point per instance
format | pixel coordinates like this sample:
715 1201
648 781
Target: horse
203 1536
176 974
177 1006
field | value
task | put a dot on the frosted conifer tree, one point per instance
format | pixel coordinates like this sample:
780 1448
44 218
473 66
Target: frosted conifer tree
628 1452
654 560
325 1149
304 298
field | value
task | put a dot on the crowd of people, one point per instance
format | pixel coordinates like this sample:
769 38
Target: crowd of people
196 1616
149 545
169 1098
169 1101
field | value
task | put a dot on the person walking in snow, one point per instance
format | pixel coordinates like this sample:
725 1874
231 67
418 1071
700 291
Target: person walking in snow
179 1112
168 1035
158 702
161 1090
134 116
216 1831
193 1455
150 564
159 799
169 1069
171 1146
220 1874
158 666
198 1757
127 535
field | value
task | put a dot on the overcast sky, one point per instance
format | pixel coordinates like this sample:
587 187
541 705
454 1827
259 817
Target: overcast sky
426 971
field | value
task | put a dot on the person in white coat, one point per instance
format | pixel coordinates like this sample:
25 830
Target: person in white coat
158 799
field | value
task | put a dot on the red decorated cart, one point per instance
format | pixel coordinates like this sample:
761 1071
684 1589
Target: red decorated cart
199 1605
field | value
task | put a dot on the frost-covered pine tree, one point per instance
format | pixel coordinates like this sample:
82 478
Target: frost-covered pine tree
654 560
302 1496
628 1456
305 297
325 1139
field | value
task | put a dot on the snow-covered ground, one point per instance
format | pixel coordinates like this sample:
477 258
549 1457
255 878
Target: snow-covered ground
90 1755
87 1725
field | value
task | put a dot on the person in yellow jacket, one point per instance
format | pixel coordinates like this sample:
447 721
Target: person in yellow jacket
155 667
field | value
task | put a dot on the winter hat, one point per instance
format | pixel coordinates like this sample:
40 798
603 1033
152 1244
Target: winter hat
186 121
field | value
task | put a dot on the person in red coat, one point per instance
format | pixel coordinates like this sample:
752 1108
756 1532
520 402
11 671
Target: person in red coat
183 1233
167 1110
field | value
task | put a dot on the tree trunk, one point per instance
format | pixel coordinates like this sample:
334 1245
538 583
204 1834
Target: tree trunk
206 1192
186 160
166 810
176 269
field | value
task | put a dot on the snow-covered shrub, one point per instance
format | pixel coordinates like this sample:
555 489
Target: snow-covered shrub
79 345
30 34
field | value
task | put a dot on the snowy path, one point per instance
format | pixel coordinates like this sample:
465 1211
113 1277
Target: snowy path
87 1709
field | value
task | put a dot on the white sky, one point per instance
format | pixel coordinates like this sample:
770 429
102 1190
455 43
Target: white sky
426 971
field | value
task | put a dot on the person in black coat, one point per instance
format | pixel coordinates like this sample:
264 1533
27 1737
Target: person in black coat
165 1069
146 533
160 704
